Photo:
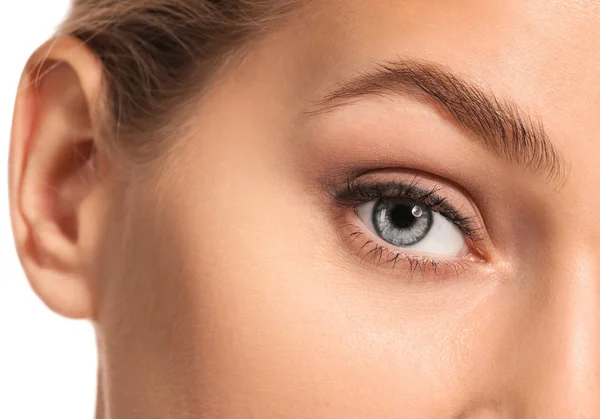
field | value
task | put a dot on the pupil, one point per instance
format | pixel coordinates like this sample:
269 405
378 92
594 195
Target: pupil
402 216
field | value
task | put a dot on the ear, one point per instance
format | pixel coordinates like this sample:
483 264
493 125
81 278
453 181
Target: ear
54 172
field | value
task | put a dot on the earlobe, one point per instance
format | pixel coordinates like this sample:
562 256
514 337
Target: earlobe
53 172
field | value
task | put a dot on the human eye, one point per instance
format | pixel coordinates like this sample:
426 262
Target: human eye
413 220
409 224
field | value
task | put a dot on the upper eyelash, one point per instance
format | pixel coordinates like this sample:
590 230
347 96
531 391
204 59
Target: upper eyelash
358 191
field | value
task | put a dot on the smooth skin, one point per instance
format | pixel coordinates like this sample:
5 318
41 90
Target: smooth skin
222 282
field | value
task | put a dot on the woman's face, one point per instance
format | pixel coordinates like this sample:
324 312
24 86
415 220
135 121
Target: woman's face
385 210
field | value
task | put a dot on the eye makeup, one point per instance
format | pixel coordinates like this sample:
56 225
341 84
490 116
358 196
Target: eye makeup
398 201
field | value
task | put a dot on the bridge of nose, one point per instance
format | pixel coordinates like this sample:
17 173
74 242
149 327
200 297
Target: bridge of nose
557 353
535 347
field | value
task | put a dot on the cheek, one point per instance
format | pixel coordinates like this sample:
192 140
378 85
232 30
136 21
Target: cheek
230 290
288 327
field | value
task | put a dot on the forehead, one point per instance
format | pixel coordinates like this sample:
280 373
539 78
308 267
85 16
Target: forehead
538 41
541 54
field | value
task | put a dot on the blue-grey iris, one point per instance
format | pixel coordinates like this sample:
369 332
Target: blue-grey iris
401 222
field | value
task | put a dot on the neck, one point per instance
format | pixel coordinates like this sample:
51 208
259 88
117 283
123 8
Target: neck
100 400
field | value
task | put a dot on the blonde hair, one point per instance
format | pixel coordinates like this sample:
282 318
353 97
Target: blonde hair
157 53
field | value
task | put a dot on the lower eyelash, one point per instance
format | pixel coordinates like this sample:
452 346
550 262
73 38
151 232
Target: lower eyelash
370 250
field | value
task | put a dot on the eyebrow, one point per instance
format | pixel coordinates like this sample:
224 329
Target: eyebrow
501 125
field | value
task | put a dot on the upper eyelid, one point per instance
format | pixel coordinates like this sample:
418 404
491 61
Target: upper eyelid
503 128
360 191
353 188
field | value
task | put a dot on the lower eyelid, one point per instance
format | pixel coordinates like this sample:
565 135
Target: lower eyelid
372 252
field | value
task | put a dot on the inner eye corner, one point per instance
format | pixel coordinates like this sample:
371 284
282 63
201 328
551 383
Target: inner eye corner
478 253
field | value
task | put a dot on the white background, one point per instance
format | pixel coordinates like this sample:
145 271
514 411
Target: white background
47 363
